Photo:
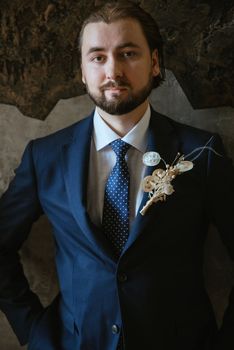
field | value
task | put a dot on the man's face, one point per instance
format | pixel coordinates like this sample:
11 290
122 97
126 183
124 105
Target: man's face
117 66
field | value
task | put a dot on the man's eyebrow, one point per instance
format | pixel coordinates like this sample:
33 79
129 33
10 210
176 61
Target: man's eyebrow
95 49
121 46
128 44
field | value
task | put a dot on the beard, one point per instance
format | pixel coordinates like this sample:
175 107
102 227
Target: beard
117 105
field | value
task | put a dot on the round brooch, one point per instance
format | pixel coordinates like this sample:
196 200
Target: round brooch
151 158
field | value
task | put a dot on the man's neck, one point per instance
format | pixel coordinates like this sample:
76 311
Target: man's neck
122 124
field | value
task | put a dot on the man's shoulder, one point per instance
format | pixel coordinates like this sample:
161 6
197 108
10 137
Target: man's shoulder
184 132
65 135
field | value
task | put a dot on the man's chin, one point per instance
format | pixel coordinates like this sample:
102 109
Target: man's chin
119 104
117 109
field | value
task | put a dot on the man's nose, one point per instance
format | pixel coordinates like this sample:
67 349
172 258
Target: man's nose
113 69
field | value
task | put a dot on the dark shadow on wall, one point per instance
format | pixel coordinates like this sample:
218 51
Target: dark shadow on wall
218 273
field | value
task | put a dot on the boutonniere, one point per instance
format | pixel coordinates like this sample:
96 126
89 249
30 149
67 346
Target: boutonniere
158 185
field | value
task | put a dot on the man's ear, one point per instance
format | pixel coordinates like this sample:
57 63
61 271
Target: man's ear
155 63
82 75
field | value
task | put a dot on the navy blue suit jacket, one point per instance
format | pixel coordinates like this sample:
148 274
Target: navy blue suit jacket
155 292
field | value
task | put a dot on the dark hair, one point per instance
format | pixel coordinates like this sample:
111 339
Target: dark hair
112 11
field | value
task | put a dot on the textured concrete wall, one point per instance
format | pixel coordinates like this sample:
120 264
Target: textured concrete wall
37 254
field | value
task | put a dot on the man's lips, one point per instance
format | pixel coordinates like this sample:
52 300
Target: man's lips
115 91
115 87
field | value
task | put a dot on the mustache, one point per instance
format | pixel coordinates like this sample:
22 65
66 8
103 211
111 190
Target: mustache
115 84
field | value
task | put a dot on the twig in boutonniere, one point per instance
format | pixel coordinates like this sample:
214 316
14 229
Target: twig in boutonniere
158 185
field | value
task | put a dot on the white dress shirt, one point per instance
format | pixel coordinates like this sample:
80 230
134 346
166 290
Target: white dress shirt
102 160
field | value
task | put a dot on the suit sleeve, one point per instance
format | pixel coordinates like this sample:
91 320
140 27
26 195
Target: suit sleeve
220 204
19 208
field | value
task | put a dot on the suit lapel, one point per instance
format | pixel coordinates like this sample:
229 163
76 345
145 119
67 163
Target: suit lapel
162 139
75 160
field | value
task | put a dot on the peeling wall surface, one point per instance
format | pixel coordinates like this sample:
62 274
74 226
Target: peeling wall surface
37 254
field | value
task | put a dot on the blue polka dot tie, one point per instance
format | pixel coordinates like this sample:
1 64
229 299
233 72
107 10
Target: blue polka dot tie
115 221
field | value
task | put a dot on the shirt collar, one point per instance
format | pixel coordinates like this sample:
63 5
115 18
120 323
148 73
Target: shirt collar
103 135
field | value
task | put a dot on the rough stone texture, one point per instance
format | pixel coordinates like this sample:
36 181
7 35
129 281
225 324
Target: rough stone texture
37 254
38 53
199 47
39 61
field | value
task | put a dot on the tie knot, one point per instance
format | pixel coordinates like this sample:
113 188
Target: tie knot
120 147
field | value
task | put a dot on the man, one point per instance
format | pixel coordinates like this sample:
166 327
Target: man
127 281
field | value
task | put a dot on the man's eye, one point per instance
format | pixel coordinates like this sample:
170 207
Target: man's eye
98 59
129 54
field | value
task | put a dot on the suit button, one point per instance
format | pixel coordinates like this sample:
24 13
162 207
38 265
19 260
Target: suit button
122 277
115 329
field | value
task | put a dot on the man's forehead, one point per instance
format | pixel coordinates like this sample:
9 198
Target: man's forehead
120 33
122 22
